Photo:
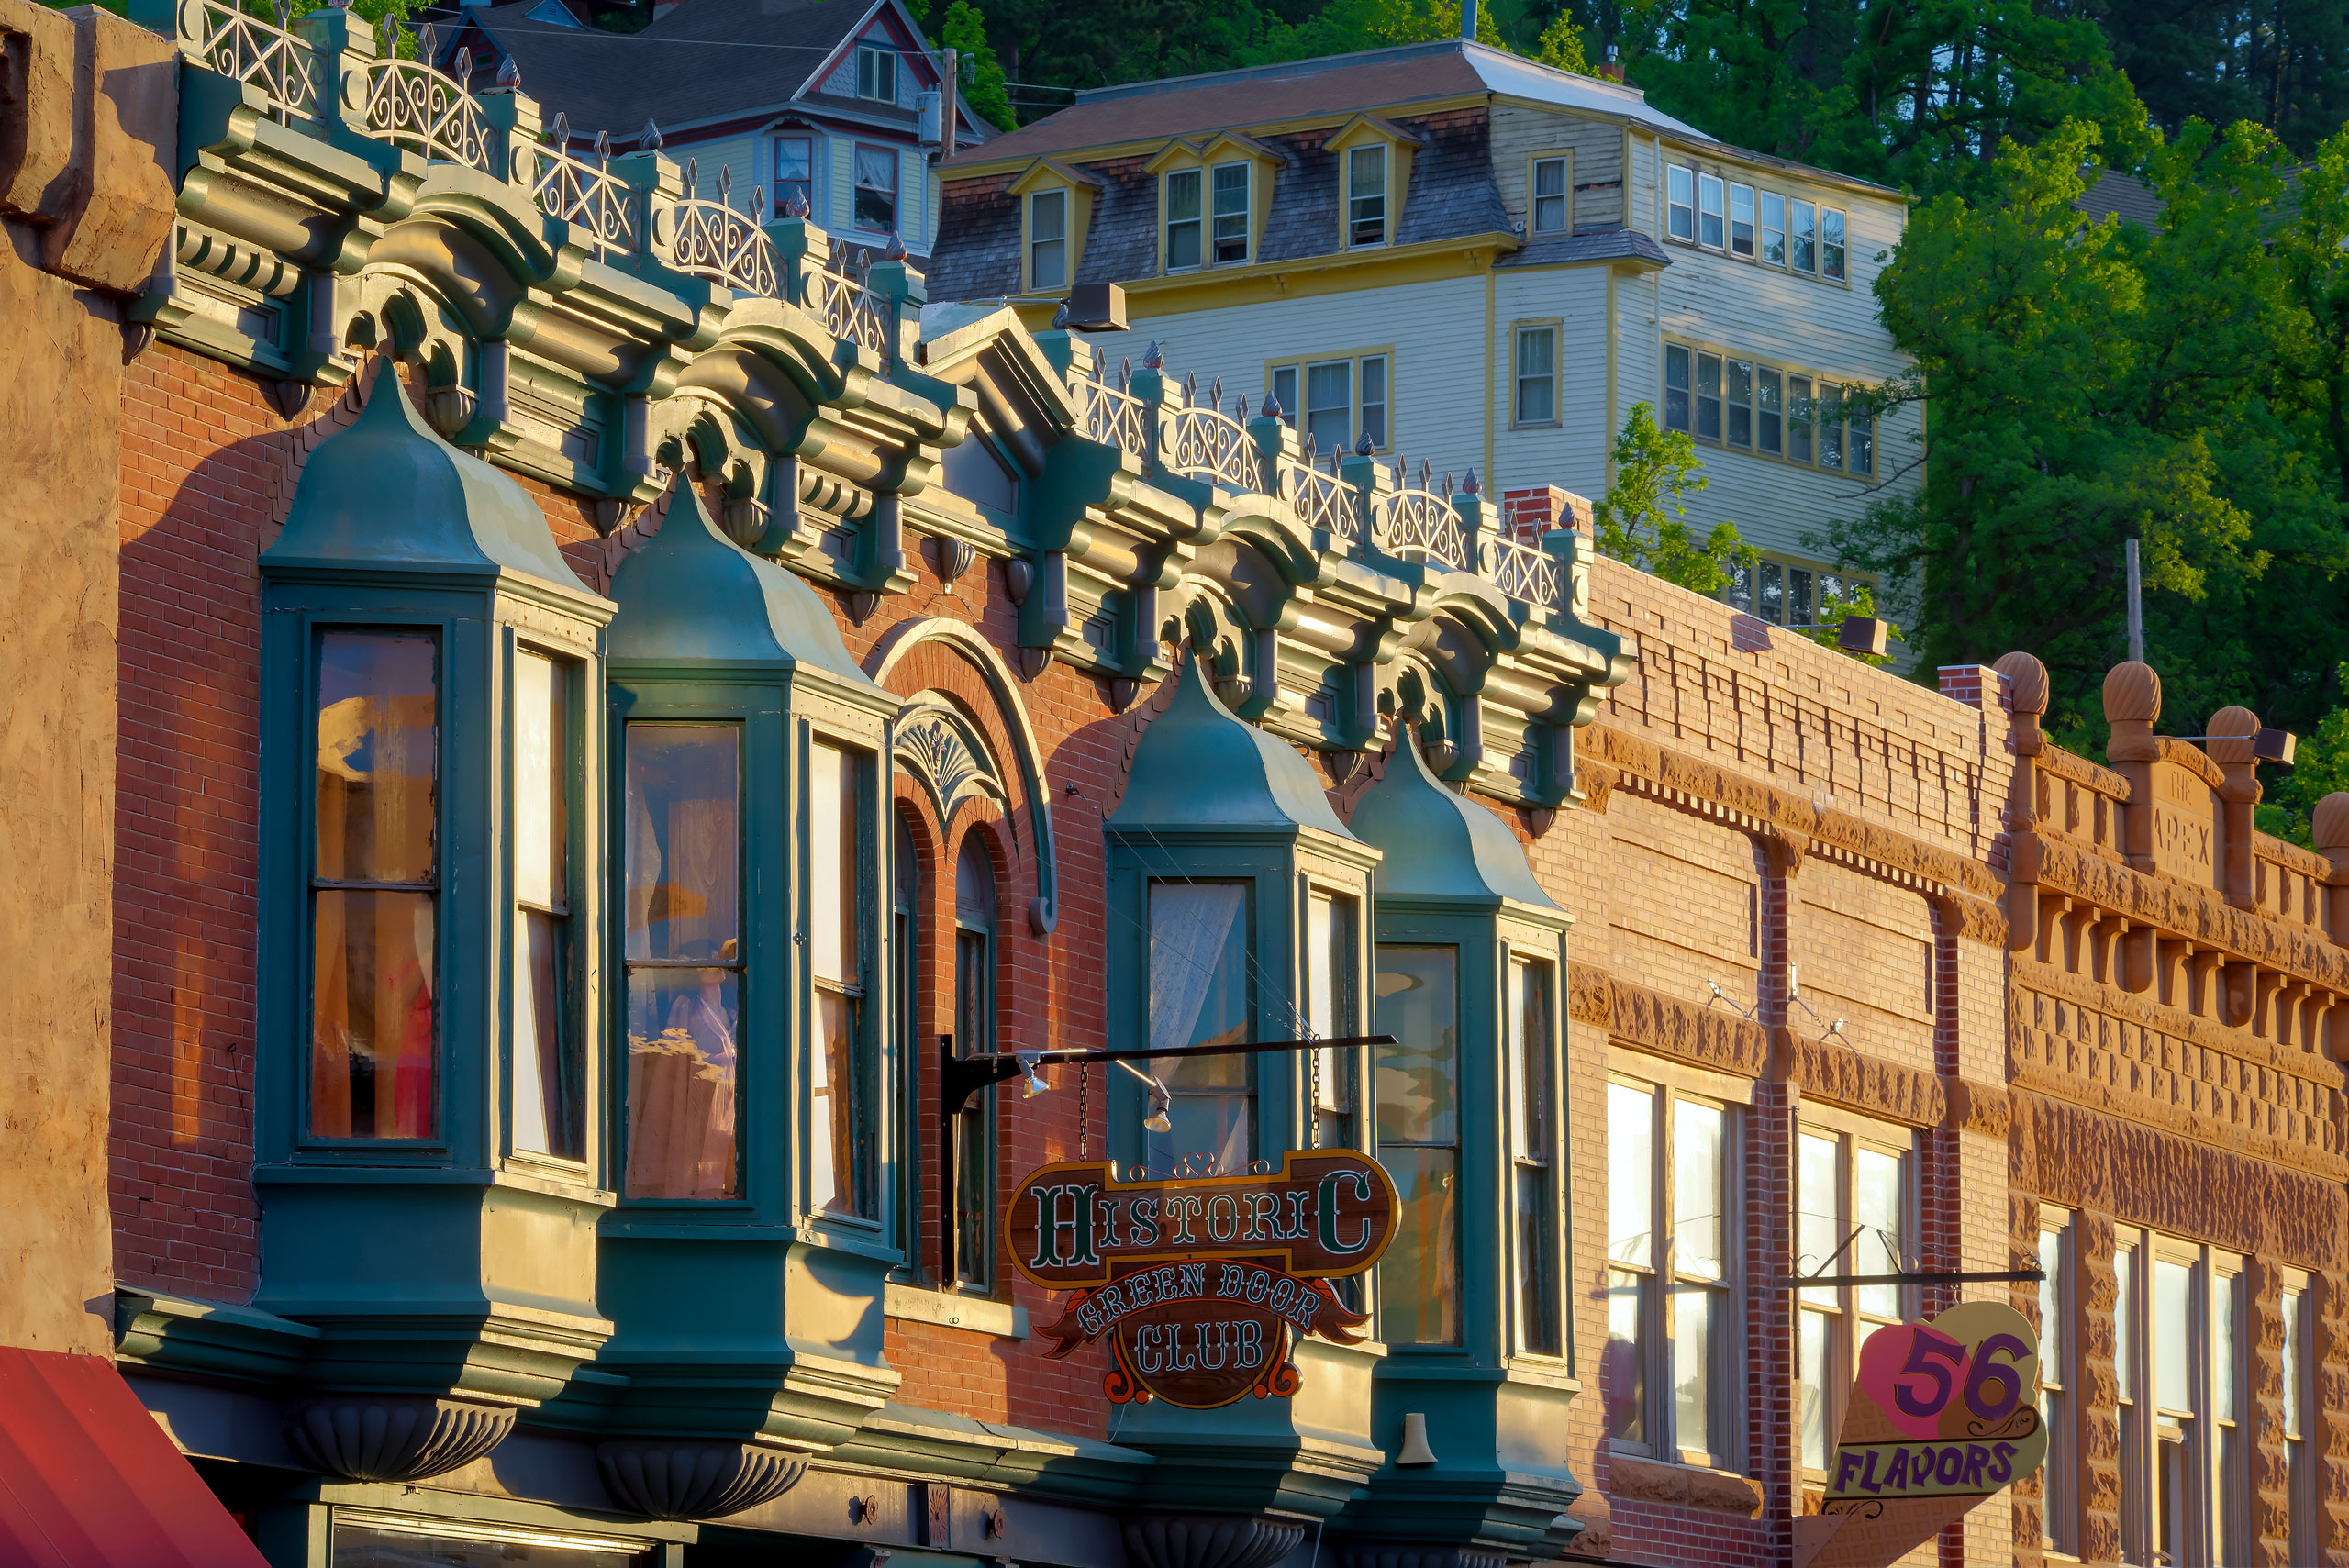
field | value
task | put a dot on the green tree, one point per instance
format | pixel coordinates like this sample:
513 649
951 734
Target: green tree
984 89
1560 47
1644 518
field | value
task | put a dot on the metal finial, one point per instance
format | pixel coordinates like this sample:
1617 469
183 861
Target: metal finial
1424 473
464 71
693 178
1215 393
725 182
428 44
509 76
1272 408
1154 357
894 251
1125 373
562 131
1364 447
758 200
1239 410
1400 475
649 139
1310 455
604 144
283 15
1471 485
391 31
1190 388
1447 482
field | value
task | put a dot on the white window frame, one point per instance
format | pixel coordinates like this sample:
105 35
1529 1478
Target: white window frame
1563 197
2057 1383
1850 1319
779 184
1289 382
1713 206
1553 330
875 61
1355 202
1196 223
1215 213
1057 196
1742 194
1680 203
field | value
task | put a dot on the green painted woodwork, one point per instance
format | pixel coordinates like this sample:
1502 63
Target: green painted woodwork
453 1264
752 1318
1198 767
1453 876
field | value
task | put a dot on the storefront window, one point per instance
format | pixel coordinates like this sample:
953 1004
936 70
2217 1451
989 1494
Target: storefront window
1852 1208
549 1066
839 1163
1419 1141
1535 1203
1670 1258
2054 1385
374 885
1199 995
1330 958
684 951
974 1002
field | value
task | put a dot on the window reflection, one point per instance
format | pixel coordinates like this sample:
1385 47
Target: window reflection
975 1000
683 944
1199 995
1417 990
374 878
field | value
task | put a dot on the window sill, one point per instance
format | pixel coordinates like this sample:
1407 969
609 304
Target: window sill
1537 425
1543 1373
1682 1486
913 1304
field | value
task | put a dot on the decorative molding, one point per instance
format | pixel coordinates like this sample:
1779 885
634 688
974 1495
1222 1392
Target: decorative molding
2027 975
1380 1554
1844 1076
1666 1026
393 1437
1644 1481
667 1478
941 749
1208 1540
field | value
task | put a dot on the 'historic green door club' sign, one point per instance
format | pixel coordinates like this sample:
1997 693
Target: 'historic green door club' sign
1199 1283
1939 1418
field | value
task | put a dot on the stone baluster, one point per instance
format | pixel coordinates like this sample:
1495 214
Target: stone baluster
345 51
1373 482
514 117
655 186
1276 449
800 249
907 291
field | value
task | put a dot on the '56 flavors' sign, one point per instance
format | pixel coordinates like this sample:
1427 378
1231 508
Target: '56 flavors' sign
1198 1284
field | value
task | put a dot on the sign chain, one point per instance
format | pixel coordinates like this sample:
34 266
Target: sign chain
1083 1111
1313 1108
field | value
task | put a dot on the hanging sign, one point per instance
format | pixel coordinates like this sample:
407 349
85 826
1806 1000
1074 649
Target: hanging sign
1939 1418
1200 1284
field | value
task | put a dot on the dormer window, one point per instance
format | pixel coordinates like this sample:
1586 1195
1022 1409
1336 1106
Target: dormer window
1366 196
1550 196
1048 239
1231 212
1183 221
876 73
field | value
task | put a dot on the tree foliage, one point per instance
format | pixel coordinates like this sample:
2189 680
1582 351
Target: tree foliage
983 85
1644 518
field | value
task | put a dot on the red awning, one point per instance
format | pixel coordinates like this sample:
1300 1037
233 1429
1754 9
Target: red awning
89 1480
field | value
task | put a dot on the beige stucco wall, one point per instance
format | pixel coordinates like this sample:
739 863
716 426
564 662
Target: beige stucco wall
84 99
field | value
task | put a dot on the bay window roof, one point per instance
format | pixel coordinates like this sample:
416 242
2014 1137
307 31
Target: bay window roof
1198 766
1440 843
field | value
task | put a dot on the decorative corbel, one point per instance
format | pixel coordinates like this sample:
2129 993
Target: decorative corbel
1785 849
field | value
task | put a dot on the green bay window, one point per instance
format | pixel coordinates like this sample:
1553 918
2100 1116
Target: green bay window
1200 995
975 1034
1418 991
840 1154
549 1056
683 940
1533 1155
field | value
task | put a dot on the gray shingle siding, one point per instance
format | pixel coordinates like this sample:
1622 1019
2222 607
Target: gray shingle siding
1590 245
1452 192
1123 242
977 256
1303 221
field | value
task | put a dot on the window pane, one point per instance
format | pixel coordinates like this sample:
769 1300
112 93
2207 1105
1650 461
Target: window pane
1529 1114
1819 1212
1683 223
1366 196
2290 1365
371 1014
2051 1312
1709 396
378 756
2226 1295
1417 1003
834 865
684 842
1329 405
1798 419
1536 378
1699 1217
1774 229
836 1154
1419 1278
1231 212
549 1068
1330 1012
2173 1333
1863 441
1772 605
1817 1333
1740 221
1692 1355
540 830
876 188
1047 235
1831 247
1630 1174
1537 1313
1831 427
973 886
1627 1356
1676 387
1373 399
1708 210
1798 612
973 1157
1739 398
1199 995
1806 238
1877 1204
682 1069
1285 392
2124 1314
1550 196
1183 218
1739 595
1769 410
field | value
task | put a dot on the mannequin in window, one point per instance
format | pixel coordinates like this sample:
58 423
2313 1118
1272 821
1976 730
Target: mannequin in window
681 1099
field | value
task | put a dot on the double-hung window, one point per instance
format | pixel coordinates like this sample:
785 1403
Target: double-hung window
2231 1523
1335 402
1670 1262
1708 397
1330 1012
1048 239
876 73
795 165
1830 243
550 1057
1418 993
905 885
1708 211
1676 387
1680 202
1537 376
1329 406
1366 196
1200 995
1532 1119
375 884
1230 192
1550 209
1806 237
1774 230
876 188
1767 410
1853 1200
2180 1357
1741 221
1737 377
841 1175
975 1014
683 949
1184 247
2299 1478
2056 1383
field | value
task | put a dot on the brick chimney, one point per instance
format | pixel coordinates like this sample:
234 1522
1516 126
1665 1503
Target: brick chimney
1613 69
1528 514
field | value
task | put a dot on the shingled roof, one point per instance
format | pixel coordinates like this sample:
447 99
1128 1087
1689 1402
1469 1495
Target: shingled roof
697 63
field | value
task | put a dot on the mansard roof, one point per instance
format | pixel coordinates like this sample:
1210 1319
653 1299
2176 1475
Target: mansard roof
1199 766
1437 842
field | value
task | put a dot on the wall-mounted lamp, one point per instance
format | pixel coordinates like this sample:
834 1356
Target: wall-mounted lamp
1160 1101
1415 1454
1035 1083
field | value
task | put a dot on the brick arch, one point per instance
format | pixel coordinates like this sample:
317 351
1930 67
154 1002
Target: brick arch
950 659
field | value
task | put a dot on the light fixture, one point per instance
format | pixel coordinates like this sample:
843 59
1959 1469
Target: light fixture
1415 1454
1160 1101
1035 1085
